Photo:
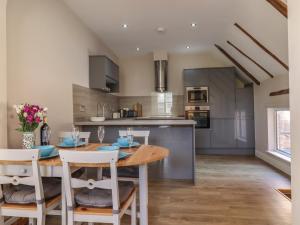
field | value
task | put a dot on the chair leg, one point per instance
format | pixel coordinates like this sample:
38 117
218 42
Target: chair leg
116 220
70 218
41 220
1 220
32 221
133 211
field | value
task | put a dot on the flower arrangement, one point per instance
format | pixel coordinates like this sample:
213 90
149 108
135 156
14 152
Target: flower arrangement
30 116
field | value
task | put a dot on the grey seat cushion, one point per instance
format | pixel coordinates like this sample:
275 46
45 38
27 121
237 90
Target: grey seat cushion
130 171
24 194
102 197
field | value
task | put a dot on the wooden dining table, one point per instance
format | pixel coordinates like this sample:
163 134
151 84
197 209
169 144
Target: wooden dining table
140 156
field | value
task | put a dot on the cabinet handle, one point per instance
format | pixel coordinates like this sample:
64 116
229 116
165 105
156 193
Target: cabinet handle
163 127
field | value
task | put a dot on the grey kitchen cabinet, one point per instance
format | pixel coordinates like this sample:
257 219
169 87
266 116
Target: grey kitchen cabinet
103 74
180 164
202 138
245 103
222 93
245 135
195 77
223 133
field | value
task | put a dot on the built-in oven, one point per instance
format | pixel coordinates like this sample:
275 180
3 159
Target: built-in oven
201 114
197 94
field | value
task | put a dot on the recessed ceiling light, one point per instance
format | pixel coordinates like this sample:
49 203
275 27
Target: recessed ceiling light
193 24
188 47
138 49
161 29
125 25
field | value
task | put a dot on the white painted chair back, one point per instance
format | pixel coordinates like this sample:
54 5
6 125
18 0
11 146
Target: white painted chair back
69 157
137 133
82 135
21 155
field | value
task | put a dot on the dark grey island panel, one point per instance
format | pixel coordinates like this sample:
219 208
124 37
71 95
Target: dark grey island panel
178 139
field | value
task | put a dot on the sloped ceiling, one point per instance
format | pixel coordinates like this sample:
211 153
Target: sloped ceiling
214 18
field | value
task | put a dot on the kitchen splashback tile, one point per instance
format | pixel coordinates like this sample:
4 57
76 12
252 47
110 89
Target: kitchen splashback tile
85 102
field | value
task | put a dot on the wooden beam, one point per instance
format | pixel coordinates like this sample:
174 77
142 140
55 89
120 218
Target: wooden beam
280 6
252 60
262 46
238 65
281 92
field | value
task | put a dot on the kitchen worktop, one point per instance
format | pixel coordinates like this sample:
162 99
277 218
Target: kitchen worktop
133 122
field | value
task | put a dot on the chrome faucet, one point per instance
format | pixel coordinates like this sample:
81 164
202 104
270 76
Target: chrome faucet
98 110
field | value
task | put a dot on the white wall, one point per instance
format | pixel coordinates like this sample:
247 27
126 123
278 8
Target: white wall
48 48
262 101
3 76
137 72
294 56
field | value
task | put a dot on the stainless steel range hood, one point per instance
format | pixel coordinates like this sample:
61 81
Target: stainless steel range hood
161 71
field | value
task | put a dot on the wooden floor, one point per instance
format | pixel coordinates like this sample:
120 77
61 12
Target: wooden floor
229 191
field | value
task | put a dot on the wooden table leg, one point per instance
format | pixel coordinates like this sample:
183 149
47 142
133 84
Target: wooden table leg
143 185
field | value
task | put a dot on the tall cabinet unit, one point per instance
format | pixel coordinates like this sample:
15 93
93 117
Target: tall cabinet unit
231 112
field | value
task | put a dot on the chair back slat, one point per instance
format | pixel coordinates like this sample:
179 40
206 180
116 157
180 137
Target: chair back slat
89 157
16 180
19 154
82 135
92 157
137 133
91 184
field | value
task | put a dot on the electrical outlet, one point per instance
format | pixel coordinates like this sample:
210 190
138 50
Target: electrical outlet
82 108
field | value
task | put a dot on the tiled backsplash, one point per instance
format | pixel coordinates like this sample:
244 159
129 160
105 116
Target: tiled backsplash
85 102
150 105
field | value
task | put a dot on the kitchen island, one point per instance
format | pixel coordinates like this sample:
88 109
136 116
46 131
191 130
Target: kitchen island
176 135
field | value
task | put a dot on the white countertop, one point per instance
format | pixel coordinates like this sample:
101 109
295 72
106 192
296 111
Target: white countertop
134 122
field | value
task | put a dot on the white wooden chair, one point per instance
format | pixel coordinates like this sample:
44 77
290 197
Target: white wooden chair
137 133
85 136
125 172
34 211
90 214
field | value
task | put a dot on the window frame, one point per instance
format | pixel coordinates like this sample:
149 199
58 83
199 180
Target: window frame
278 150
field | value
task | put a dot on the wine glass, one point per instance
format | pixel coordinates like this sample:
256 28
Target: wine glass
75 135
129 136
101 133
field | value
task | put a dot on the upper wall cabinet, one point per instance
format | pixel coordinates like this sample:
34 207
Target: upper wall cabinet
104 74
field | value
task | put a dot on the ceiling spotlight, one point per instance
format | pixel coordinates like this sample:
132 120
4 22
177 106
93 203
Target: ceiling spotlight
124 25
188 47
138 49
193 24
161 30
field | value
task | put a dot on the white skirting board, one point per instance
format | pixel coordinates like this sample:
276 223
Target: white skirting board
280 164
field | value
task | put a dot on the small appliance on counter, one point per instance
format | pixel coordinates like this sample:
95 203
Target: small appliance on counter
127 113
116 115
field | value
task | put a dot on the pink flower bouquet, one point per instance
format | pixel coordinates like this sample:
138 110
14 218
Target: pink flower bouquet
30 116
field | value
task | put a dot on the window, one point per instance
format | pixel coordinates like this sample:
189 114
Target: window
283 133
162 103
